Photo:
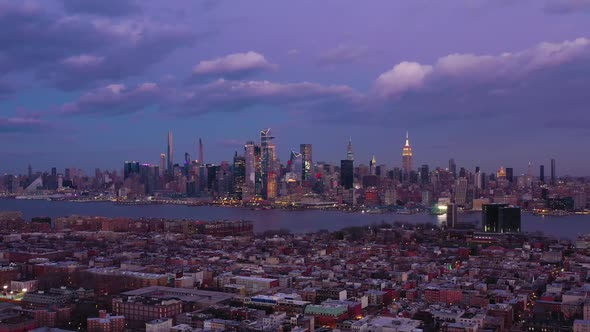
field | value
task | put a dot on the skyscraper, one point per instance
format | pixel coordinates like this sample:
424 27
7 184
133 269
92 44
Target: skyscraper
510 174
130 168
349 153
169 155
407 159
162 163
553 179
201 160
306 162
239 175
461 191
347 173
373 166
453 167
542 173
250 170
187 164
452 215
424 174
267 163
295 164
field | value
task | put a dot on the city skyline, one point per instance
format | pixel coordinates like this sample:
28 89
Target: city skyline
165 163
104 81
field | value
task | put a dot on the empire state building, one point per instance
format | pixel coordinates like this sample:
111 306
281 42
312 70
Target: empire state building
406 159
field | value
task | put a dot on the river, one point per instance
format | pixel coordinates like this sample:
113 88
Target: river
566 227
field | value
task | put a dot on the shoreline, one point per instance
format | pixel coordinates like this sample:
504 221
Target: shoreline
295 208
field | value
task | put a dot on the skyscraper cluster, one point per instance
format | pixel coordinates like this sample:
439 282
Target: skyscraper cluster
256 175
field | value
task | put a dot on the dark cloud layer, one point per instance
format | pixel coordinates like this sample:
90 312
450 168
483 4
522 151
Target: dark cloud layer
456 86
567 6
73 52
102 7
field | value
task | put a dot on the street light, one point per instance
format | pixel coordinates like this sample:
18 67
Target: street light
5 287
24 290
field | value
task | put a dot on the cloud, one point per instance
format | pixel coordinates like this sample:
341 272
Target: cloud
22 125
469 70
152 46
541 80
343 54
233 65
49 37
73 52
219 96
224 95
116 99
102 7
567 6
402 78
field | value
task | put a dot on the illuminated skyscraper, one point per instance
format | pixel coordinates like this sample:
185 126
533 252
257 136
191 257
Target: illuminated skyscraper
349 153
169 155
306 162
267 164
373 166
407 159
501 174
250 170
239 175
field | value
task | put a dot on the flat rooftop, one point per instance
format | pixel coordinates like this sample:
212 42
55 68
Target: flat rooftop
183 294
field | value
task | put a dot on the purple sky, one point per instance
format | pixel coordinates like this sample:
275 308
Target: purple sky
91 83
